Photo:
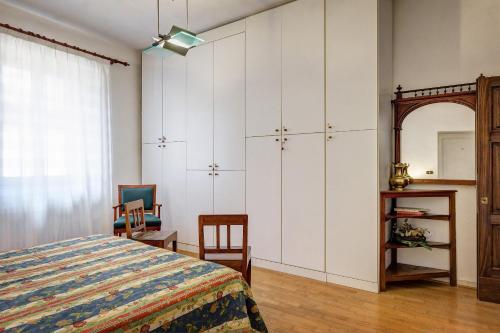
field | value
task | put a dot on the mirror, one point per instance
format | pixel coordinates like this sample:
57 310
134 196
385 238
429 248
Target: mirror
438 141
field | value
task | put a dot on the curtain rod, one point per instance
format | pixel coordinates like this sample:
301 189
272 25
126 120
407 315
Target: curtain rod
69 46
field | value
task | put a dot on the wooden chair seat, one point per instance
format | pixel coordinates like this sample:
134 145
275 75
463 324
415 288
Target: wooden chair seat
157 238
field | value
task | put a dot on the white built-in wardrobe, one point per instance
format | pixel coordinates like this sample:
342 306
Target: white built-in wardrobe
275 116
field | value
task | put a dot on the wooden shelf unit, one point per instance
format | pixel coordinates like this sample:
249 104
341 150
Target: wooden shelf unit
403 272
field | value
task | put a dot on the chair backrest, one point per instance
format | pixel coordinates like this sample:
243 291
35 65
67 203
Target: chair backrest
134 217
128 193
227 221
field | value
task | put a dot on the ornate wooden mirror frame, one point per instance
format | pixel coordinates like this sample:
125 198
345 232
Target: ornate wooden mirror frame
408 101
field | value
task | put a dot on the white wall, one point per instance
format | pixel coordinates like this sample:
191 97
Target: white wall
125 87
445 42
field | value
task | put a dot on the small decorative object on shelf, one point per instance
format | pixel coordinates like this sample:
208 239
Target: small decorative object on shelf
398 180
412 236
409 212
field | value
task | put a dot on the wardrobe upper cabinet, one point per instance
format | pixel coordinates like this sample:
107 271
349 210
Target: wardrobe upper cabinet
303 201
303 67
351 64
263 73
151 98
200 81
263 195
174 98
229 103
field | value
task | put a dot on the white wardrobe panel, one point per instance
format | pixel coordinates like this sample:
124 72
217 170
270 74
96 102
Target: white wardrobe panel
303 202
263 73
351 64
263 196
351 198
200 200
200 107
174 188
229 103
229 198
152 167
174 98
151 98
303 67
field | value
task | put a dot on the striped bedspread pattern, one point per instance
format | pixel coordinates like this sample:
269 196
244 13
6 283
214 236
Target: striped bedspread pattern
105 284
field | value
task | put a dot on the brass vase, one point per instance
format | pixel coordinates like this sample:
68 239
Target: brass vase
405 172
398 180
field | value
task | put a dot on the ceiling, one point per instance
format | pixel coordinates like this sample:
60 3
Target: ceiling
133 22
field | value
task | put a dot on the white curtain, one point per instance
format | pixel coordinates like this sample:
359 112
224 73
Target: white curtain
55 159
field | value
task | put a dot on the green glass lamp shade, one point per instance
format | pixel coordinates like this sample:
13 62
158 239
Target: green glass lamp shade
178 41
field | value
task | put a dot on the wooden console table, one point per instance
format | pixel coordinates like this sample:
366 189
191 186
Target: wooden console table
403 272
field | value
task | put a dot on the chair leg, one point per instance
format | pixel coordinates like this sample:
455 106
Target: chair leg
174 246
249 273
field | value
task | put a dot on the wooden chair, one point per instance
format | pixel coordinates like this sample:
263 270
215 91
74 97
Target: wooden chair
237 258
128 193
137 229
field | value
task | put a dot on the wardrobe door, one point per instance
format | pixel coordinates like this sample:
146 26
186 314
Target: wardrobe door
263 73
263 196
351 66
174 98
229 198
200 107
303 190
173 212
229 103
351 204
303 67
152 167
200 201
151 98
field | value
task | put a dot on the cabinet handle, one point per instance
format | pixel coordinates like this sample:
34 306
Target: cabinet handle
159 139
329 137
209 173
330 126
285 139
216 174
216 165
210 165
277 130
277 140
285 129
159 146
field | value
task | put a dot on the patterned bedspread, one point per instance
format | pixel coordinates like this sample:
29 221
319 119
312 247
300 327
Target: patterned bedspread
102 284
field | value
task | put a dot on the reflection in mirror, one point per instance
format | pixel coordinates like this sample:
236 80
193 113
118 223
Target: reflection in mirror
438 141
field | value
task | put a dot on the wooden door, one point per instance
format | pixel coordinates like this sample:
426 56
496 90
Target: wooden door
488 188
152 167
229 198
303 67
303 190
351 204
174 98
173 212
200 107
151 98
229 103
351 65
263 196
200 200
263 73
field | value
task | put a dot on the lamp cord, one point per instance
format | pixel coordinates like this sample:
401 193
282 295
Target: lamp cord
158 16
187 14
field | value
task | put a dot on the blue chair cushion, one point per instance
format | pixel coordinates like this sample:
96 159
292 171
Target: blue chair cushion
136 193
151 221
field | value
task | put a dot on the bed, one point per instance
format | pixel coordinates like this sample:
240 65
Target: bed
104 283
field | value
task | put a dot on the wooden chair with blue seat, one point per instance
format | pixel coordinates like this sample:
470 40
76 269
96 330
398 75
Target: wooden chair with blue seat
129 193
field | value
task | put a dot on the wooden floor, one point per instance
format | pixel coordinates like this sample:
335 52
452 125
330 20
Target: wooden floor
293 304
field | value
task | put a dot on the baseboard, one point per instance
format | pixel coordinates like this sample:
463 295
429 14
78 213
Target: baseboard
352 283
284 268
188 247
